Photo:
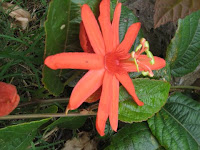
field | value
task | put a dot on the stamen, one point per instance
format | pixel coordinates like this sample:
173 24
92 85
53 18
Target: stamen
150 73
150 55
145 73
138 47
134 59
142 47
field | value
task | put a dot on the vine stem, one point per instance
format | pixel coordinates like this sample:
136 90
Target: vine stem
186 87
64 100
29 116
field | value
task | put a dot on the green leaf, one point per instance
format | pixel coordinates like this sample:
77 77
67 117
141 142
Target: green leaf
68 122
19 137
135 136
62 34
50 109
177 125
183 52
170 10
153 93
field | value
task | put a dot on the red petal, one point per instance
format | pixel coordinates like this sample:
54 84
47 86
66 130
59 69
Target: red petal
128 84
159 64
84 41
106 28
88 84
75 61
113 113
92 29
103 110
115 25
95 96
9 99
129 38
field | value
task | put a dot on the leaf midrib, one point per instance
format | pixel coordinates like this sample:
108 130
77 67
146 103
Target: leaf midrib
169 10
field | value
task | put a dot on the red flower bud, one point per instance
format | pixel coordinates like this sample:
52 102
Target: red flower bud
9 99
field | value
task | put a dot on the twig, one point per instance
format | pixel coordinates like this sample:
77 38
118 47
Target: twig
45 101
29 116
186 87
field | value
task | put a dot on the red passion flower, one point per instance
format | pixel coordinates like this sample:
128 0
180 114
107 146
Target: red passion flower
9 99
108 62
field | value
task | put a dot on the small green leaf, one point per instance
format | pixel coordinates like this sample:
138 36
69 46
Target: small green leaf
171 10
68 122
135 136
153 93
183 53
50 109
19 137
177 125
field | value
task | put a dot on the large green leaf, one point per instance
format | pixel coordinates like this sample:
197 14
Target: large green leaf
153 93
62 34
135 136
19 137
172 10
177 125
183 52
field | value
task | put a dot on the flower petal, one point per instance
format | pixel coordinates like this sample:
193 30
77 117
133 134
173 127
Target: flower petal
115 25
9 99
159 64
103 109
113 113
84 41
129 38
88 84
75 61
92 30
128 84
106 28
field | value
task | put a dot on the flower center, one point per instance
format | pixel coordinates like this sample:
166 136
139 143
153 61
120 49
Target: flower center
112 62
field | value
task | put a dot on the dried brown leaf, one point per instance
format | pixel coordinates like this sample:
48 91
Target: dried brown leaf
21 16
172 10
82 142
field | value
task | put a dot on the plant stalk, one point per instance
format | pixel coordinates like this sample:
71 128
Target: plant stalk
186 87
30 116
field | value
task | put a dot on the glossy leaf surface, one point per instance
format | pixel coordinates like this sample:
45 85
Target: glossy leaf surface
177 125
153 93
183 53
135 136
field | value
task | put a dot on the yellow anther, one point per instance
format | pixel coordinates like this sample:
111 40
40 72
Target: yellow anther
150 55
142 40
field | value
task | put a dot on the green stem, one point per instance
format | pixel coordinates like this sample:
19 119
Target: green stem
29 116
186 87
64 100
